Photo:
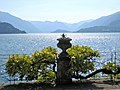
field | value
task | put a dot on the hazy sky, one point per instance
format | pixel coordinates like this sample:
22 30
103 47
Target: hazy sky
61 10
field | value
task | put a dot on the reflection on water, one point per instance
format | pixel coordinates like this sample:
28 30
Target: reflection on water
28 43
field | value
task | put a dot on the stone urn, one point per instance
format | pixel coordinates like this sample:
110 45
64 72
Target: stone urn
63 61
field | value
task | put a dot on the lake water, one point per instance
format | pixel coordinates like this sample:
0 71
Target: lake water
28 43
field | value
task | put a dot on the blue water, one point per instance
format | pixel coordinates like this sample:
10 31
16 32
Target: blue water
28 43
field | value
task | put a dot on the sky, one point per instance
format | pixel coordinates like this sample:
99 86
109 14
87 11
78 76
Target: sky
71 11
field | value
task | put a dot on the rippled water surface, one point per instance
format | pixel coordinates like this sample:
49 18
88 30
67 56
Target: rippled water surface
28 43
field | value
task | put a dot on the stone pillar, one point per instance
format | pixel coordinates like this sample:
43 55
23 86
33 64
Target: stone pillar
63 61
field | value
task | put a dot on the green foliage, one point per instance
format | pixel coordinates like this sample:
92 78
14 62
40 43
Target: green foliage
43 60
47 54
32 67
17 64
39 66
81 58
117 76
47 77
111 66
114 67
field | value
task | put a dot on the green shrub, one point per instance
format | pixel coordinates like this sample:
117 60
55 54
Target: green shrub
81 58
39 66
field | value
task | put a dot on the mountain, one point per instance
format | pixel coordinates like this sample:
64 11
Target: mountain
102 21
75 26
112 27
98 24
61 31
115 23
18 23
6 28
49 26
46 27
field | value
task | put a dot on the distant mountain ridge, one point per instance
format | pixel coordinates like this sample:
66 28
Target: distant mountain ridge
61 31
6 28
103 23
100 25
112 27
49 26
18 23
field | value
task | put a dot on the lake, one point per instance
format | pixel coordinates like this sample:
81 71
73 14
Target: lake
28 43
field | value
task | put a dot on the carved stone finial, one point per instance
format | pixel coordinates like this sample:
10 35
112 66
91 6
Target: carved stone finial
64 44
63 35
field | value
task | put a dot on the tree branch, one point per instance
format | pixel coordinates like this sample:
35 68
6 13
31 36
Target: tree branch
95 72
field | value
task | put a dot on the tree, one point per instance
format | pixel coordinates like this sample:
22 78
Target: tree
40 66
44 62
113 67
17 64
81 59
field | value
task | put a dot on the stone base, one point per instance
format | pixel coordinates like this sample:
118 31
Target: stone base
63 81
